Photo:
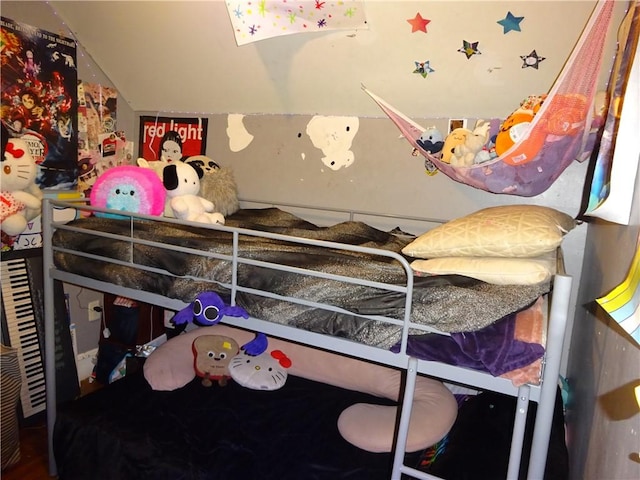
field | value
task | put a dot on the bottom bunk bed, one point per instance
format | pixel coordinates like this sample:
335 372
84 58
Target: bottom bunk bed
353 293
128 430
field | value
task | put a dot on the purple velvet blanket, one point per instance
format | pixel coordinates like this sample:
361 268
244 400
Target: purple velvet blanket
492 349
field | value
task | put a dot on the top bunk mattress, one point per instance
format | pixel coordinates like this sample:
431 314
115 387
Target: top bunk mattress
181 260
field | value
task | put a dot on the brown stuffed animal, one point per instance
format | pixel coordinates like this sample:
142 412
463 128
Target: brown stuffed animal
217 184
211 357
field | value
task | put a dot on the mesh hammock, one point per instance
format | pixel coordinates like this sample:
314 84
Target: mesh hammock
557 135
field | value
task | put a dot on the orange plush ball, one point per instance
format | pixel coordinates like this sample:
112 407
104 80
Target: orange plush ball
566 114
512 130
527 150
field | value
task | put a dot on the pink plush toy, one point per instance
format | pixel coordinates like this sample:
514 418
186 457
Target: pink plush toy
129 189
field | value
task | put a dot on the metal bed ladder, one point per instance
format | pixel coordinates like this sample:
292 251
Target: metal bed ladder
546 403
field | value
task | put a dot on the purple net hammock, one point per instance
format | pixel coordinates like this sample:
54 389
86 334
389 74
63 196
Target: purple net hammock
557 135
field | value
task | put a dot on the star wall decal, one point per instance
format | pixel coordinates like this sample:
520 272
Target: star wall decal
469 49
423 68
418 24
510 22
531 60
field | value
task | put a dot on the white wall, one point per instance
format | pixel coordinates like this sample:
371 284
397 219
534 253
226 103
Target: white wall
181 56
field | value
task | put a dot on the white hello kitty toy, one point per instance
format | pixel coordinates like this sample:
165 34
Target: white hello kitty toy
18 176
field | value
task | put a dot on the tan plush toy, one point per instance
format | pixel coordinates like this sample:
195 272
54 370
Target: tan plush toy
217 184
211 357
456 138
464 154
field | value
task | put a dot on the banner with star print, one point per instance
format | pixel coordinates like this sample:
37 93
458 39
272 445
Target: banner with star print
262 19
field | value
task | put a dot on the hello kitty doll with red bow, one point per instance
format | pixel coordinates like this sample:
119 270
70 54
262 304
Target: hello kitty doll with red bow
18 171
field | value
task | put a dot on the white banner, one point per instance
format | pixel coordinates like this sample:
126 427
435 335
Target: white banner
258 20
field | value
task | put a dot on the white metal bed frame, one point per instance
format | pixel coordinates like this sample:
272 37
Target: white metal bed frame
544 393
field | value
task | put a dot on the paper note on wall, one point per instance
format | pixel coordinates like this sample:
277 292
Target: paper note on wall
623 302
258 20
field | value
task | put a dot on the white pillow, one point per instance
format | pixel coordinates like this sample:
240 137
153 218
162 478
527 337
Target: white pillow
499 271
505 231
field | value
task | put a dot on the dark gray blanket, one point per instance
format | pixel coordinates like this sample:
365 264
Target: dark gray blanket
450 303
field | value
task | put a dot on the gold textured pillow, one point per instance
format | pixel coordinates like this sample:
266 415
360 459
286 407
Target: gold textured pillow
504 231
499 271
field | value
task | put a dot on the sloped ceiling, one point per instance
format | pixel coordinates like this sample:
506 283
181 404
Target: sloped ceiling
181 56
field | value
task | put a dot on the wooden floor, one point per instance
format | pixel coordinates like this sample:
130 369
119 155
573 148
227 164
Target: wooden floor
34 455
34 460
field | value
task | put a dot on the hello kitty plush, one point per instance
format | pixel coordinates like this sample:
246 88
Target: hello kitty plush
266 371
182 183
18 179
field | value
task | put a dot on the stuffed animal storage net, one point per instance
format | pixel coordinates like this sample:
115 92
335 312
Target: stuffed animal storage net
556 136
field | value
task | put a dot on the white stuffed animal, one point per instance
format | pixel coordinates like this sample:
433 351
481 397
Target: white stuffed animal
182 183
464 154
18 181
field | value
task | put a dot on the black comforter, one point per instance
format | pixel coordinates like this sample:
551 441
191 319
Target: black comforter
450 303
127 431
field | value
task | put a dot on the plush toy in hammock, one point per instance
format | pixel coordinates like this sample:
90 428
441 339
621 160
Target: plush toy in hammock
207 309
129 189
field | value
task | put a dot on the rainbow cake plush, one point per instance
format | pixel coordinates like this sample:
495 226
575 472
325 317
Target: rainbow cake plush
129 189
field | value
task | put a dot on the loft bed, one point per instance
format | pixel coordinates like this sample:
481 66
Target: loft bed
143 258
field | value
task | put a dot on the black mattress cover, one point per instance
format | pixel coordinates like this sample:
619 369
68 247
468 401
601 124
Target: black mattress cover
128 431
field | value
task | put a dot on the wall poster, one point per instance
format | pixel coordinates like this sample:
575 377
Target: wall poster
169 139
101 145
39 99
253 21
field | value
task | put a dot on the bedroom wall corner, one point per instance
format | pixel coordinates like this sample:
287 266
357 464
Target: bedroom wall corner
604 361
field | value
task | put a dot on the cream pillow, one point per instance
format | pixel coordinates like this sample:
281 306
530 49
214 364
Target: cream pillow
499 271
505 231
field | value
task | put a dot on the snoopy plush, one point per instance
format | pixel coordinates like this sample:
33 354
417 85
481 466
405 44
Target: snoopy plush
182 183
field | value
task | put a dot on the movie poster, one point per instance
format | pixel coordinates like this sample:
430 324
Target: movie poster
39 99
169 139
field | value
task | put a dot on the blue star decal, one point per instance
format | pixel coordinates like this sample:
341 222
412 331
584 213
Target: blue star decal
469 48
423 68
531 60
510 22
